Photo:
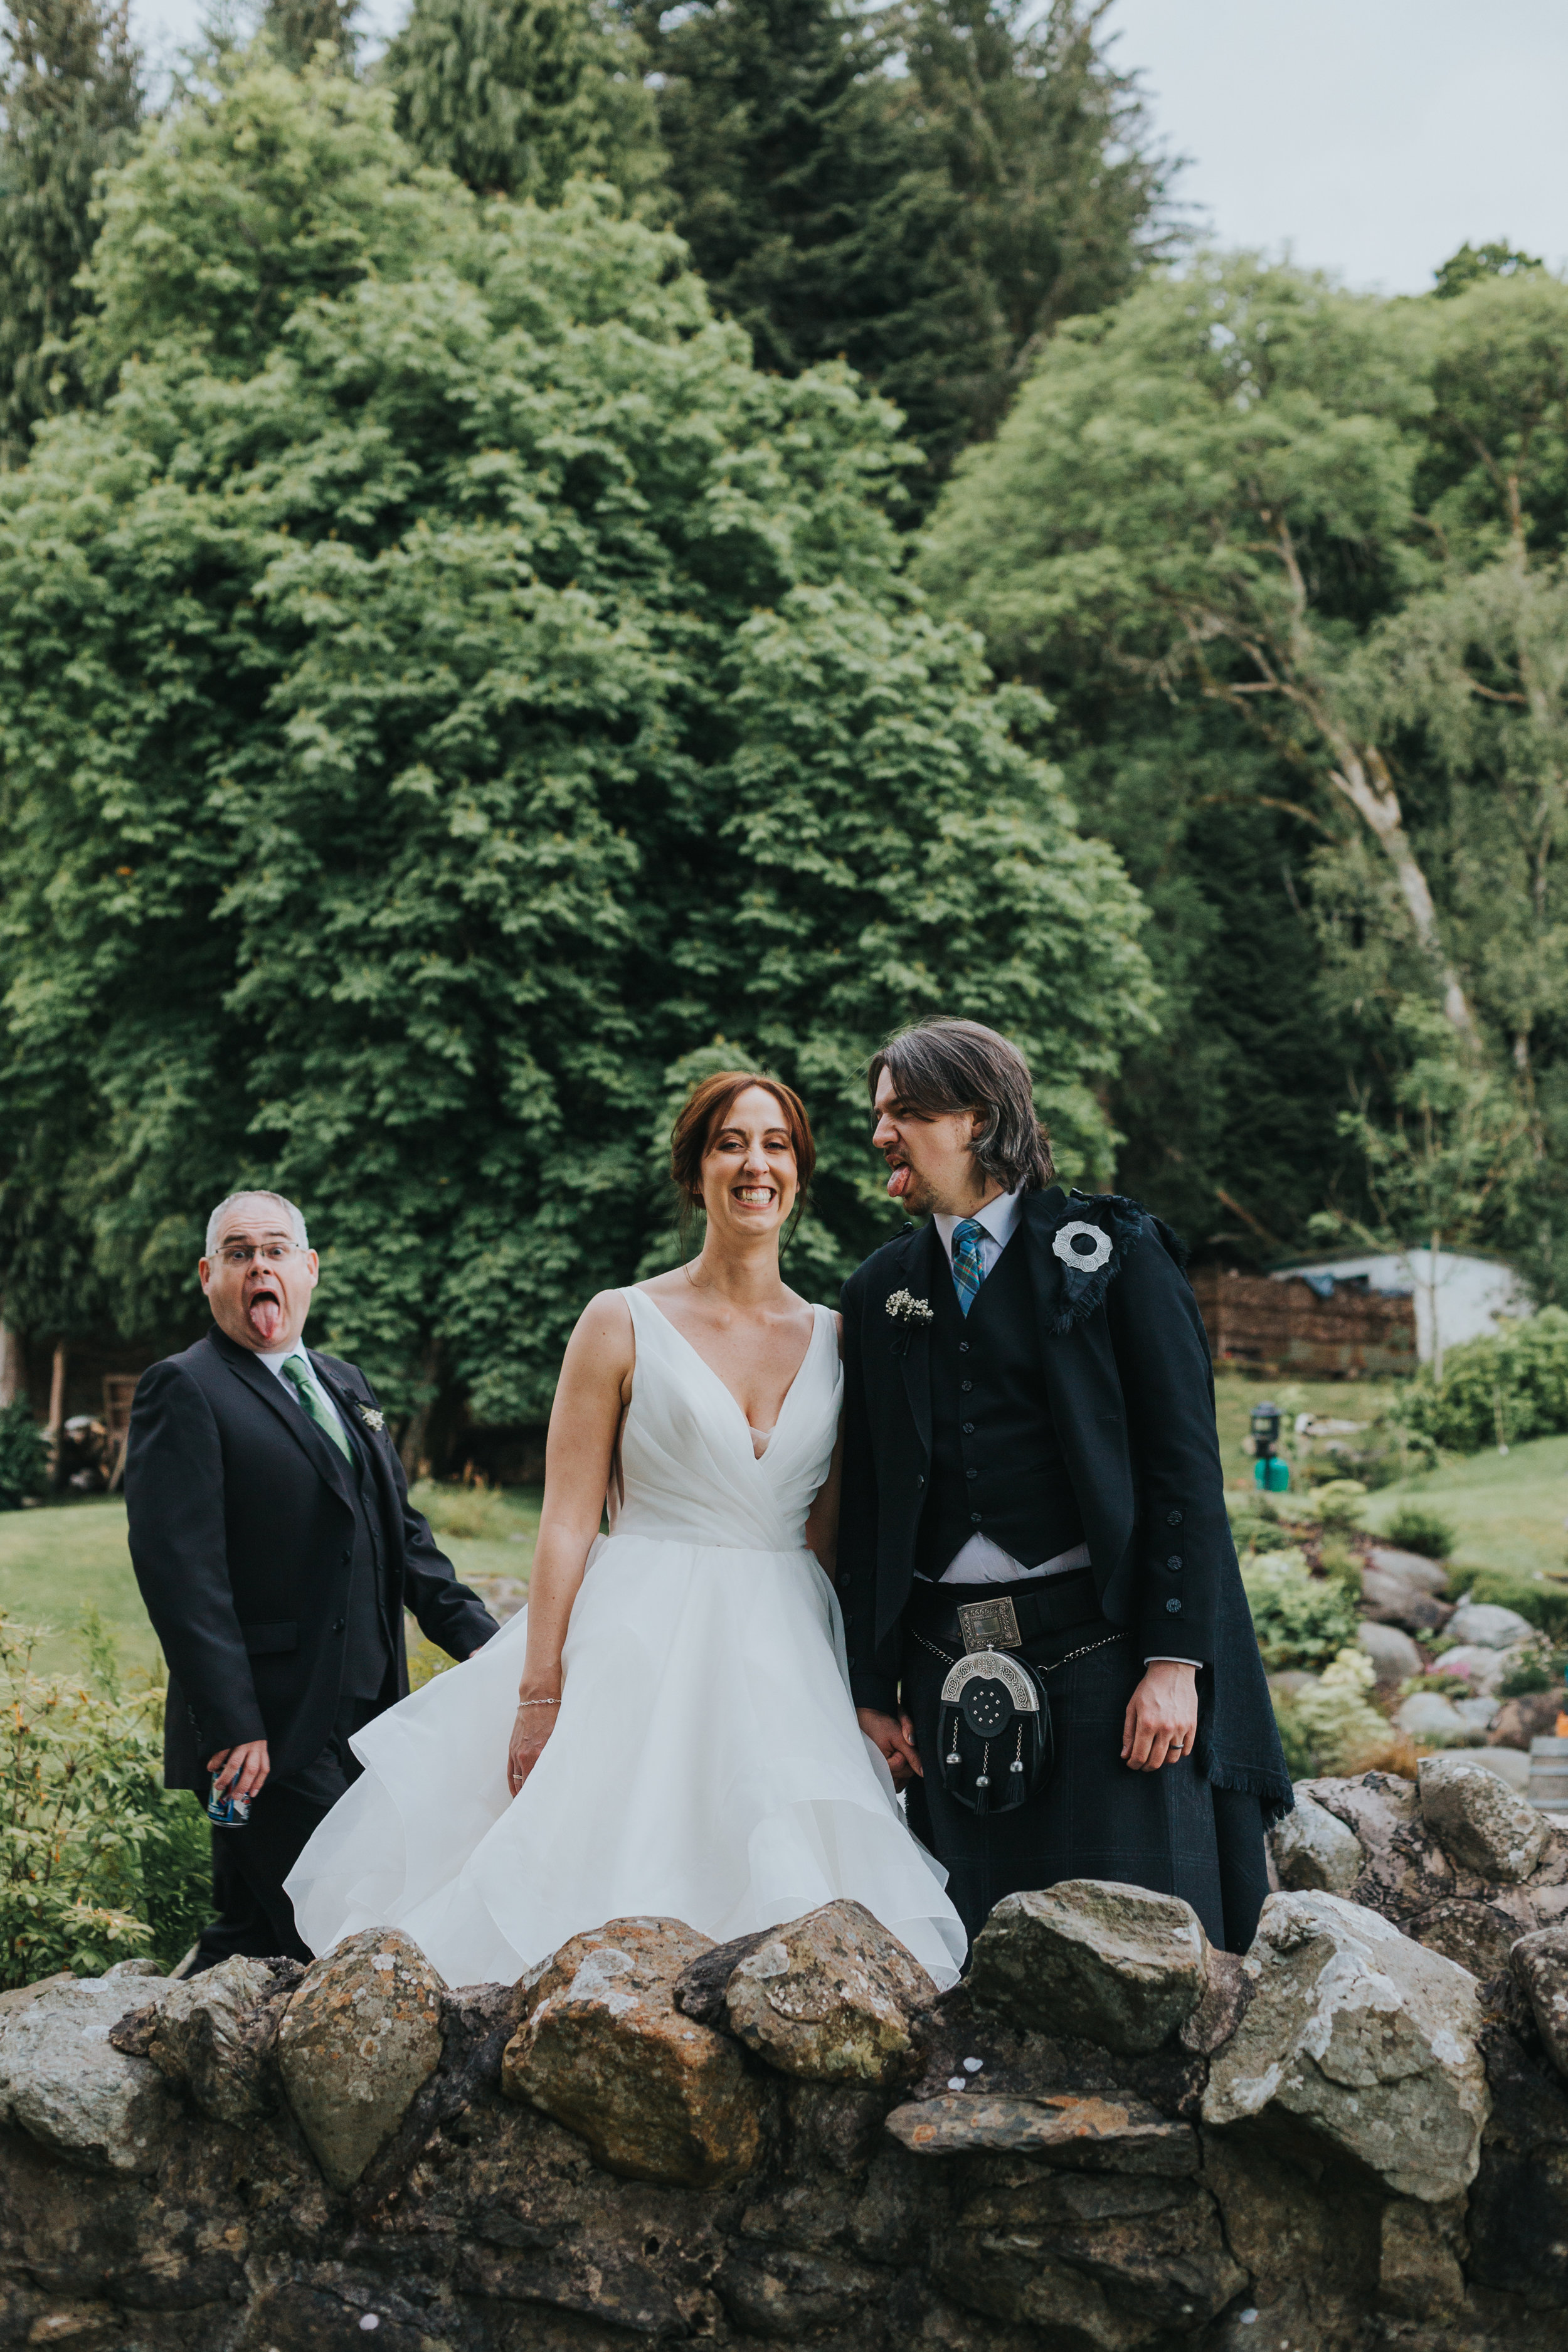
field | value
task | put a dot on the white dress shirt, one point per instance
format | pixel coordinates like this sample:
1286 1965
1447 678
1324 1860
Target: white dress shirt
981 1561
276 1359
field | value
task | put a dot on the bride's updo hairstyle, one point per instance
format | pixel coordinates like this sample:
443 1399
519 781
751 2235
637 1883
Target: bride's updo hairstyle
702 1115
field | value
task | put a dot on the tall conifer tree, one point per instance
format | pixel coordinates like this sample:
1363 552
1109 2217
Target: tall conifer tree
70 98
924 189
516 96
295 29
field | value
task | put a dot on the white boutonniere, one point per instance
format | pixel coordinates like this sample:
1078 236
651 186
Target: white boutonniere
906 1315
1083 1247
372 1417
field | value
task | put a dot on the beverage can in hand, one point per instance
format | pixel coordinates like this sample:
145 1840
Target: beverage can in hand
229 1811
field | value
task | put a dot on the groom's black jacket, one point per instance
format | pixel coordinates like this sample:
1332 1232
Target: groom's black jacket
242 1524
1129 1390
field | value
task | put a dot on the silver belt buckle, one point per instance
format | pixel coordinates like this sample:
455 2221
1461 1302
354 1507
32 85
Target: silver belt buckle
989 1625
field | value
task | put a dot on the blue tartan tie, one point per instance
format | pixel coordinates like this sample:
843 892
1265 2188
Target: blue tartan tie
968 1272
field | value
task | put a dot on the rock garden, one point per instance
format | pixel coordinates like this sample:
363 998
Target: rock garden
1111 2137
1378 1654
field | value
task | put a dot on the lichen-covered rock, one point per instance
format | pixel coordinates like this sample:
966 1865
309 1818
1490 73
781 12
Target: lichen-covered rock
830 1996
208 2033
1431 1715
359 2037
64 2083
1541 1964
1361 2040
1406 1868
1394 1600
1473 1934
1313 1850
1090 2134
1395 1656
1119 1965
1410 1568
604 2049
1479 1821
1418 2272
1095 2263
1494 1627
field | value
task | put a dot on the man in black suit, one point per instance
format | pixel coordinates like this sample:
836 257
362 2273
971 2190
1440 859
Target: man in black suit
1031 1467
276 1550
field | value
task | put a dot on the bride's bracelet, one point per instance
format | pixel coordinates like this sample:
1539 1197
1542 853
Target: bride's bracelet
536 1702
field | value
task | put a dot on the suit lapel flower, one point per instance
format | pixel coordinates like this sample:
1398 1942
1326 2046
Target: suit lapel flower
372 1417
908 1315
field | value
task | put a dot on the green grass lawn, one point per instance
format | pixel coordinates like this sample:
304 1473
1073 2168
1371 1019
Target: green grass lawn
62 1559
1508 1509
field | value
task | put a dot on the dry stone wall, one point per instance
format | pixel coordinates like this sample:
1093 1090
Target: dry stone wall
1111 2139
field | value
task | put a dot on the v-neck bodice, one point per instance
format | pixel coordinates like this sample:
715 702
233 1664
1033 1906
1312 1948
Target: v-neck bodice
690 1471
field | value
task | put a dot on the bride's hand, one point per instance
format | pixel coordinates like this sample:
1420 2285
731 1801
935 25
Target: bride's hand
531 1727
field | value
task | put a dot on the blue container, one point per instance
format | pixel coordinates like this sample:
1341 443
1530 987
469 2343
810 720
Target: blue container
225 1810
1273 1475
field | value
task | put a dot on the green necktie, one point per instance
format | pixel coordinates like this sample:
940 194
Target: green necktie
298 1373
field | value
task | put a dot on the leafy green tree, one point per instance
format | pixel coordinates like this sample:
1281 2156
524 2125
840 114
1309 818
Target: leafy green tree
446 687
1272 546
517 96
1443 1165
923 189
70 98
1475 261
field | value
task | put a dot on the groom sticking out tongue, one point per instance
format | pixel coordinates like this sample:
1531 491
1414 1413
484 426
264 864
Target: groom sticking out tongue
933 1172
1030 1466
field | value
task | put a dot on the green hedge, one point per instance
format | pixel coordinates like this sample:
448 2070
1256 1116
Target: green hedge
99 1862
1505 1388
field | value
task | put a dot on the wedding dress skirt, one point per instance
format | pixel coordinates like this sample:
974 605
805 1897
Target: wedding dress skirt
705 1764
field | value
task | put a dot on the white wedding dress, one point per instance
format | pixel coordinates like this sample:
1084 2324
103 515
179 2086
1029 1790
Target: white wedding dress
705 1764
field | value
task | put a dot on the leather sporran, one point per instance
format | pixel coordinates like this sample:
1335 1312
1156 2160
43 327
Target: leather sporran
995 1743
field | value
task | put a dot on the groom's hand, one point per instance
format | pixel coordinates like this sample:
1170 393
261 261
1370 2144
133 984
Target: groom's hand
894 1736
242 1770
1161 1721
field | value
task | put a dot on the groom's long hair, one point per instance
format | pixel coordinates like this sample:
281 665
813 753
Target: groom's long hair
943 1065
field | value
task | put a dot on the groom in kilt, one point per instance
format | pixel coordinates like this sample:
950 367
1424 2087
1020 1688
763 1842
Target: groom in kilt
1047 1637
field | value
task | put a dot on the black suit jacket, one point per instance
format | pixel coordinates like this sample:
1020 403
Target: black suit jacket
1131 1390
241 1526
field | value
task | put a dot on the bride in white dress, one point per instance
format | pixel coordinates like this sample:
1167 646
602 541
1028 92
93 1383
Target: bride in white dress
666 1729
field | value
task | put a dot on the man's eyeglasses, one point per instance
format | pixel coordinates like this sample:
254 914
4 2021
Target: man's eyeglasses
266 1253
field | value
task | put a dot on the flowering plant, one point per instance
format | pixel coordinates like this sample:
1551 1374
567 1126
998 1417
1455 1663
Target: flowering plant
903 1308
372 1417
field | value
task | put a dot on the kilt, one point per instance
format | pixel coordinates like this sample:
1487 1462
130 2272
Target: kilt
1095 1817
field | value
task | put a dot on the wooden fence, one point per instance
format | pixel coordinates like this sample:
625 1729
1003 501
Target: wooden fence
1285 1327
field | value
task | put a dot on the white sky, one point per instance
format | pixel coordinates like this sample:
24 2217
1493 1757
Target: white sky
1370 136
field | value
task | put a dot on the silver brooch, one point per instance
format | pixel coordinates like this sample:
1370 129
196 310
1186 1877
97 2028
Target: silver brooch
372 1417
1083 1247
903 1308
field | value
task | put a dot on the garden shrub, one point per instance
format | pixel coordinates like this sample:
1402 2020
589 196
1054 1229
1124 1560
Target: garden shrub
1301 1620
1497 1391
478 1511
1339 1503
1413 1529
1336 1719
99 1862
24 1456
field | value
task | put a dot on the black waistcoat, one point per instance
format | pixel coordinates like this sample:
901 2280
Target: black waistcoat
367 1643
996 1468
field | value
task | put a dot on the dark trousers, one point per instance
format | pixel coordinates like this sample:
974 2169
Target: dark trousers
1095 1817
249 1864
